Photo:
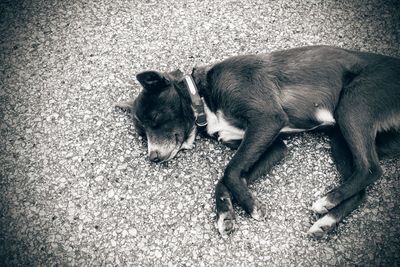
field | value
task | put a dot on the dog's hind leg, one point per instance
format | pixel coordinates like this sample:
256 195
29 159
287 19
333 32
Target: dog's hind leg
341 154
388 144
328 221
360 136
344 163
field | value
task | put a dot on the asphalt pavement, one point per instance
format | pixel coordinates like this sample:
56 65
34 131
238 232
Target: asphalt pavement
76 187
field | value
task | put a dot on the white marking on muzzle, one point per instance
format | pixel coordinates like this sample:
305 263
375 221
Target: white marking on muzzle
165 151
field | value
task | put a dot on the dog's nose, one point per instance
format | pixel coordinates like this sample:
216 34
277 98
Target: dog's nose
154 156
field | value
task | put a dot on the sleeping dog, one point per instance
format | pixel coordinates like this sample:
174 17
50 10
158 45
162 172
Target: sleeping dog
249 101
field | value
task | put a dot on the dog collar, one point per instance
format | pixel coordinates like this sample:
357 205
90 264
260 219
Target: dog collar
197 102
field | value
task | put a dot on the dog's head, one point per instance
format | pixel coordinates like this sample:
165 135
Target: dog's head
163 114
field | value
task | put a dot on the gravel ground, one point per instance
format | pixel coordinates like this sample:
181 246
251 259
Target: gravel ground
75 185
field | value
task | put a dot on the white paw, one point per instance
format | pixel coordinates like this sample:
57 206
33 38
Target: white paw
322 206
322 226
259 210
225 224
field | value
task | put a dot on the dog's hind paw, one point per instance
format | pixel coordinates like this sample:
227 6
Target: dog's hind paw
259 210
226 223
322 205
322 226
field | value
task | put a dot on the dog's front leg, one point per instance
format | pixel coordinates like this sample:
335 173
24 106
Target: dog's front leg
260 134
226 214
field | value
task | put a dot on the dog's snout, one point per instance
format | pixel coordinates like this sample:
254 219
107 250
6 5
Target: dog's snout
154 156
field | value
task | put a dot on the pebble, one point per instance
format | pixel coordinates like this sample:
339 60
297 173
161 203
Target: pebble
111 193
132 231
158 254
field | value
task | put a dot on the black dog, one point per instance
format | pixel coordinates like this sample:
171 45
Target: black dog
248 101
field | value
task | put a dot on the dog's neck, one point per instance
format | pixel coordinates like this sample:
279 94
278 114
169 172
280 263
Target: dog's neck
197 102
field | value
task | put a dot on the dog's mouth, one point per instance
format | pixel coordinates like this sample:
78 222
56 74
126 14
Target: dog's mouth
172 154
162 153
165 151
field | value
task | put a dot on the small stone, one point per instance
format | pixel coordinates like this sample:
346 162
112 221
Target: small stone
181 229
124 233
158 254
123 166
180 206
111 193
132 232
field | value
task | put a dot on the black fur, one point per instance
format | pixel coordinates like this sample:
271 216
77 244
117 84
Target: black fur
264 94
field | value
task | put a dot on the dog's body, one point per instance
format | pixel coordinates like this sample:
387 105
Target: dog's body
250 100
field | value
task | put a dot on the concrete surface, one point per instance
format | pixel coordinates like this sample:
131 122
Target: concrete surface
76 188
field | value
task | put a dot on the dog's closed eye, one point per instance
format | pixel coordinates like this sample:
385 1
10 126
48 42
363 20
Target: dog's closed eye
159 119
155 121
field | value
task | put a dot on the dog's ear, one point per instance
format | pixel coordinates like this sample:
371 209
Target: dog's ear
177 74
152 80
127 106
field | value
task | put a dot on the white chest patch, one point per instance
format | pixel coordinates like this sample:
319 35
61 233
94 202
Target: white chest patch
216 123
324 116
392 121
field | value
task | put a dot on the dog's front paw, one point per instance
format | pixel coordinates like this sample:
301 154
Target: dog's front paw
322 226
259 210
226 223
322 205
